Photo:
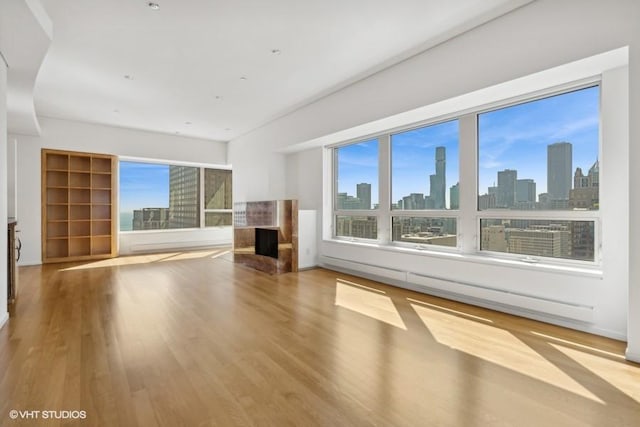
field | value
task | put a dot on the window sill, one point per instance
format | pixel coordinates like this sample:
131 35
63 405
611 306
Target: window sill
594 272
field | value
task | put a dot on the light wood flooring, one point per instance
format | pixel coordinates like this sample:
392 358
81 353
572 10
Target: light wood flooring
191 339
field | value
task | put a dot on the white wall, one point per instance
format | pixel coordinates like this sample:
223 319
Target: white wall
12 177
77 136
4 315
539 36
633 333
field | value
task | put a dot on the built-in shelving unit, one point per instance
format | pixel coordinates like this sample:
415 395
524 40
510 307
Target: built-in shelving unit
78 206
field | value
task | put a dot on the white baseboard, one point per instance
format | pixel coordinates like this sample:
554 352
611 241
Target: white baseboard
632 356
3 319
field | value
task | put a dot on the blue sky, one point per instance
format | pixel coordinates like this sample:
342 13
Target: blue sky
510 138
143 185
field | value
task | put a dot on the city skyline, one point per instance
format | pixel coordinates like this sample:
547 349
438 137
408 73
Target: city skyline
514 137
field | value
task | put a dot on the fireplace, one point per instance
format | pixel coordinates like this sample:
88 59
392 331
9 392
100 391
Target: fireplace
267 242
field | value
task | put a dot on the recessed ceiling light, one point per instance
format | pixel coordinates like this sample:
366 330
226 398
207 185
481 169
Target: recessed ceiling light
153 6
276 51
128 76
243 78
218 97
187 123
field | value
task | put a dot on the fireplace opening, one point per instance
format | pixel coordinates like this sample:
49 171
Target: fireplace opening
267 242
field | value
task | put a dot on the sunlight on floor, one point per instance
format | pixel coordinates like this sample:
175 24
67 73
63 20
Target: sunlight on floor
368 301
496 346
622 376
150 258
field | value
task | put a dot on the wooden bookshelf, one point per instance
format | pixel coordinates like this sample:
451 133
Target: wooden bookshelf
78 206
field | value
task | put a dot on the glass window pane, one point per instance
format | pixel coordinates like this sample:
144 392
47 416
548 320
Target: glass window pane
539 238
157 196
424 168
542 154
184 197
217 189
218 219
363 227
357 176
425 231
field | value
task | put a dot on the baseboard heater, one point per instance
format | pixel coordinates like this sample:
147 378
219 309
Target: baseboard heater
466 291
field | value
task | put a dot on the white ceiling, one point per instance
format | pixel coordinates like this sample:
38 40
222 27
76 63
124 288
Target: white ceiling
186 60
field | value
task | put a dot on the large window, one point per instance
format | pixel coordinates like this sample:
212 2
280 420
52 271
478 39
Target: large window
356 178
157 196
542 154
424 178
424 167
534 166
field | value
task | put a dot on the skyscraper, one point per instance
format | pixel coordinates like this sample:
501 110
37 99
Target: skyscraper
525 190
454 196
363 192
184 197
437 181
559 170
506 194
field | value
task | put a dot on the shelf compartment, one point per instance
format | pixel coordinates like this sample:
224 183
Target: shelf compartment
101 228
57 229
80 212
80 228
57 212
57 195
101 212
57 161
57 248
57 179
100 180
101 197
99 164
79 180
101 245
80 195
80 163
79 246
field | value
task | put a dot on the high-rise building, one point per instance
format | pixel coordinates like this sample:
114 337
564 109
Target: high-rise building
345 201
548 241
582 240
184 197
487 201
506 192
559 169
525 190
438 181
150 219
454 196
586 192
413 201
363 192
493 238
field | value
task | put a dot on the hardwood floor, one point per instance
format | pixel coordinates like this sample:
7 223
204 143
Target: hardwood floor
190 339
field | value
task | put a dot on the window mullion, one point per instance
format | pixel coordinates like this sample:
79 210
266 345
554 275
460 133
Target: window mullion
384 193
467 224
